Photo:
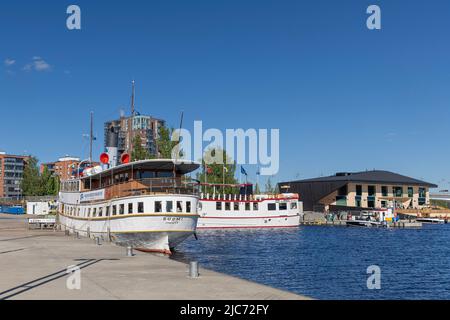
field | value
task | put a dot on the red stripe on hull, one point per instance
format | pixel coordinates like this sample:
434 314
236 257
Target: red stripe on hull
248 227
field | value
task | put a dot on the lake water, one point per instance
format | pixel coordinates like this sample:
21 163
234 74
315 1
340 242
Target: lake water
331 262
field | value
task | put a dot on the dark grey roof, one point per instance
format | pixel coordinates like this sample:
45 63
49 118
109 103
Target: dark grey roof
374 176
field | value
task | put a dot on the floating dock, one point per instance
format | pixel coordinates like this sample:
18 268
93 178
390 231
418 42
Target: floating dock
34 265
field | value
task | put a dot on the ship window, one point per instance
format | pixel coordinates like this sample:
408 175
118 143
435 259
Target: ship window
179 206
293 205
89 212
227 206
130 208
283 206
122 209
188 206
158 206
107 211
114 210
100 212
255 206
219 205
94 212
236 206
140 207
247 206
169 206
272 206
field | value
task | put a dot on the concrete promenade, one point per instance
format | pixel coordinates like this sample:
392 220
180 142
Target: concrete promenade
33 265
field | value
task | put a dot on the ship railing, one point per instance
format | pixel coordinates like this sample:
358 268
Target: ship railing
152 186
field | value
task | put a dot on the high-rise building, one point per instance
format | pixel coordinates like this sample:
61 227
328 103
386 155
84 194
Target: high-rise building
11 174
146 127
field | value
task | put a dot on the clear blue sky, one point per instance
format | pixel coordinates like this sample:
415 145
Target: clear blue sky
344 98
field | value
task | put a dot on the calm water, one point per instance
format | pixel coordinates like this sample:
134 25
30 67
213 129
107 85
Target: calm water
331 262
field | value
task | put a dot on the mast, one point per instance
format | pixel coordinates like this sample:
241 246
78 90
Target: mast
91 136
132 116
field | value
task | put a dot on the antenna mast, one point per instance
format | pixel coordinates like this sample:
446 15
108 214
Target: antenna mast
91 136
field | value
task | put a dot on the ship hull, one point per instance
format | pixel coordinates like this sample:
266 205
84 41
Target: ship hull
246 222
146 232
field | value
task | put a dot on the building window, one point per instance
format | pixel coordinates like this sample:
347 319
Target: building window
371 203
410 192
384 204
219 205
341 200
141 207
359 190
358 201
384 191
422 193
272 206
371 191
398 192
158 206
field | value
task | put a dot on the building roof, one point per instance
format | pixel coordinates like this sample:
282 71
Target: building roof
374 176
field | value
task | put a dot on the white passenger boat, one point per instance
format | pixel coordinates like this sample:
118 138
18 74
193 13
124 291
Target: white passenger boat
431 220
245 210
148 205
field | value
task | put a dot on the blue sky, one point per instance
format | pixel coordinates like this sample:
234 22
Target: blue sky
344 98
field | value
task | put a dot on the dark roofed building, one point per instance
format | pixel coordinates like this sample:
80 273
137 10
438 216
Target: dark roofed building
367 189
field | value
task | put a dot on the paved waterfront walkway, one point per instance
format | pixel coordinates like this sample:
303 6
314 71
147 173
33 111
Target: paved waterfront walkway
33 265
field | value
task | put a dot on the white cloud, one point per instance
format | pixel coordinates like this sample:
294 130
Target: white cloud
9 62
38 64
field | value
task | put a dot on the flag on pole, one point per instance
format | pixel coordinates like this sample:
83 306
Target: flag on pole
243 171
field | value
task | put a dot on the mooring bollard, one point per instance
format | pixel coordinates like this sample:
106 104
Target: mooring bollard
193 269
129 251
97 241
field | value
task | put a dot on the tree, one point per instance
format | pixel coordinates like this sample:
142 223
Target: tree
35 184
270 189
216 172
165 144
31 184
139 152
257 189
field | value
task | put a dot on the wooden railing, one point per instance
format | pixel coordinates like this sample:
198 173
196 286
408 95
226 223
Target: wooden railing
151 186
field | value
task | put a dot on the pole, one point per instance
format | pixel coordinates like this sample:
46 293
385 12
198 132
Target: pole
91 136
131 119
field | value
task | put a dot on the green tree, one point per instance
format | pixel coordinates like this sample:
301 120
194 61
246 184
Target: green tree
257 189
269 189
31 180
165 144
139 152
217 172
49 184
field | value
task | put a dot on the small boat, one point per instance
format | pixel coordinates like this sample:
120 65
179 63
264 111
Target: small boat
364 223
431 220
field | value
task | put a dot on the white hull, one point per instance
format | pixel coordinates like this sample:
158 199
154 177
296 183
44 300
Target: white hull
243 222
153 233
261 211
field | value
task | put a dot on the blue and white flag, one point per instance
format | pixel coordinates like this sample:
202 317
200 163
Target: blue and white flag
243 170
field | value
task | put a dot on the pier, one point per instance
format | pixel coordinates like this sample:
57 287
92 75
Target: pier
34 265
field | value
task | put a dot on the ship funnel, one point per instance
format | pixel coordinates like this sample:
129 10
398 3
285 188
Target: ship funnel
112 144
